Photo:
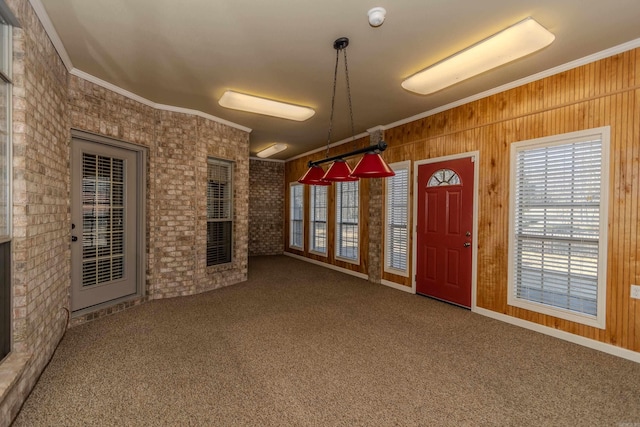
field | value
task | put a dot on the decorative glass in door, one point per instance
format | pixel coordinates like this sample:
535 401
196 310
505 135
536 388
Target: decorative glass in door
103 222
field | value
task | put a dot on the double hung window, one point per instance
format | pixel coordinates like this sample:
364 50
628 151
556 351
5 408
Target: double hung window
347 221
296 216
396 249
219 211
558 225
318 220
7 20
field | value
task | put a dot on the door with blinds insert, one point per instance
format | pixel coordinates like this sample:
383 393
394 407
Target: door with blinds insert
103 215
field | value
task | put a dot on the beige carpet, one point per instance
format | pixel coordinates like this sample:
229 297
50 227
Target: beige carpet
302 345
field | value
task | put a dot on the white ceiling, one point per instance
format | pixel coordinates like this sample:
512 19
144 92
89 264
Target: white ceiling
187 53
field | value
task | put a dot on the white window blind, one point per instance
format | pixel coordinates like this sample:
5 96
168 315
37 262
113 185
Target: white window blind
397 220
557 227
347 220
296 216
219 211
318 219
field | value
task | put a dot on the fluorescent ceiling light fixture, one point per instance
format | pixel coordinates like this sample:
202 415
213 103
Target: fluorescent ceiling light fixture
274 149
521 39
269 107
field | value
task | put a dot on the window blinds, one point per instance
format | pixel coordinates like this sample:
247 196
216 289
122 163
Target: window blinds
318 219
296 225
397 216
347 217
557 225
219 211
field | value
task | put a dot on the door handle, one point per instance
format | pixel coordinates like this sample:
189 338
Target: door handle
466 244
74 238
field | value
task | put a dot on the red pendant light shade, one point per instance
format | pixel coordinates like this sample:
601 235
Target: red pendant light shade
339 171
372 165
314 176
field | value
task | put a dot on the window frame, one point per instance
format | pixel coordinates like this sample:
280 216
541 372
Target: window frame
397 167
7 22
599 320
339 186
293 187
211 161
6 79
312 221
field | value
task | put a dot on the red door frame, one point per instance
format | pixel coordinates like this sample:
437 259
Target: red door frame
474 155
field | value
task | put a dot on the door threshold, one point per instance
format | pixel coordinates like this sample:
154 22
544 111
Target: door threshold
444 300
105 309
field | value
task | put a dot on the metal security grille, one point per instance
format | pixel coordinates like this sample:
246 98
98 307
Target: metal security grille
318 219
397 238
102 219
557 225
219 212
347 219
296 216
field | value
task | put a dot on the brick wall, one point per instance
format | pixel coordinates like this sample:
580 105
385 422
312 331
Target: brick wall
179 145
375 251
174 207
266 207
41 221
48 102
223 142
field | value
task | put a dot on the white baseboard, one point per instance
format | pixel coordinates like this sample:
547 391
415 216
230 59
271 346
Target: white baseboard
397 286
566 336
331 266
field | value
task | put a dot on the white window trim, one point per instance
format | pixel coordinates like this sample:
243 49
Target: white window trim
599 320
355 261
291 245
405 273
311 228
219 161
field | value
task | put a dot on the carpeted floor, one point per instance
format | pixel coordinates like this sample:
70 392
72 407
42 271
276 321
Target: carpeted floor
302 345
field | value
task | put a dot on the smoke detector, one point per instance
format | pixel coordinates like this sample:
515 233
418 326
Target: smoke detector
376 16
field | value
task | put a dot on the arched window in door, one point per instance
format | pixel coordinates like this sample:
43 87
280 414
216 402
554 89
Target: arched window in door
444 177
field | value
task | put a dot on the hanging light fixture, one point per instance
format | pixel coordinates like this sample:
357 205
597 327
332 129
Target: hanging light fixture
313 176
339 171
373 167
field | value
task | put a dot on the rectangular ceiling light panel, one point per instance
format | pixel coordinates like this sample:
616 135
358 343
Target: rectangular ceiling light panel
274 149
521 39
269 107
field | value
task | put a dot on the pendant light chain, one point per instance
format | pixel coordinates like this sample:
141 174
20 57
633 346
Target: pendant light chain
333 100
371 165
346 71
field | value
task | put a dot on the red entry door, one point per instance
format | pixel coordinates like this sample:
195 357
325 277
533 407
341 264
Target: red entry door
445 225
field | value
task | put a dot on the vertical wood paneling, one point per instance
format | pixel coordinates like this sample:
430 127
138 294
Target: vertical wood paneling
634 258
603 93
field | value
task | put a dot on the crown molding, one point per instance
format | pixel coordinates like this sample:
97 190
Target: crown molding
117 89
57 43
260 159
334 144
40 11
534 77
633 44
376 128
